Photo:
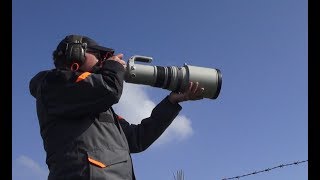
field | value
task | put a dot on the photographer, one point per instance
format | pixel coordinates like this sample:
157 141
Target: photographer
82 135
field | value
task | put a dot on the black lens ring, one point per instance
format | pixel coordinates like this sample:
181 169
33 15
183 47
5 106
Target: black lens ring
179 83
168 78
219 84
160 76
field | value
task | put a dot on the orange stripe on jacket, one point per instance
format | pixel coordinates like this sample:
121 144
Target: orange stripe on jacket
97 163
119 117
83 76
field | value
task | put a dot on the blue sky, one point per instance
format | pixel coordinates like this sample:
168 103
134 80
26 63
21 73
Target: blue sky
258 121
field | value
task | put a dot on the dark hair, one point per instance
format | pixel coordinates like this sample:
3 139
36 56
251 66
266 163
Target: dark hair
59 59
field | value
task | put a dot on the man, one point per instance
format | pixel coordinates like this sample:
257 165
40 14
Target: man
83 137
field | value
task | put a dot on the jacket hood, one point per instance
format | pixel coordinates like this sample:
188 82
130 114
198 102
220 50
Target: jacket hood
35 83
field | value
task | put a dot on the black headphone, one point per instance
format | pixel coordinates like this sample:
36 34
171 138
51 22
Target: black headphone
71 51
75 52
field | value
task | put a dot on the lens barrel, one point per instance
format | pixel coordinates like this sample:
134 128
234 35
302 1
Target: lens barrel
174 78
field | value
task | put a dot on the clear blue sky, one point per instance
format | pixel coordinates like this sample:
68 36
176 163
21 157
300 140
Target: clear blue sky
260 118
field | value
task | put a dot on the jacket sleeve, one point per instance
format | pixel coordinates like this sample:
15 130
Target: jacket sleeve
73 94
141 136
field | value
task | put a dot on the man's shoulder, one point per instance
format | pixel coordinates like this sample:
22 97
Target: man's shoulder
57 75
36 81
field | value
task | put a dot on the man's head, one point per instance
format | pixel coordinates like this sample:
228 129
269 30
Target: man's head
71 51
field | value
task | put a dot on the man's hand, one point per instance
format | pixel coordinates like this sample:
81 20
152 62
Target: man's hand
118 58
193 92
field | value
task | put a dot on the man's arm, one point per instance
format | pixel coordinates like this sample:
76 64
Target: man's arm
141 136
75 94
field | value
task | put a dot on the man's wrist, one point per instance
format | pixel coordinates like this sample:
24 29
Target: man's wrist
173 100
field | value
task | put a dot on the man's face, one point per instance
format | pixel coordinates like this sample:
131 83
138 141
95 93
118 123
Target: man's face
90 61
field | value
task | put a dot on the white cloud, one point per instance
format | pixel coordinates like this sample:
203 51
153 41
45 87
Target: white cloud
135 105
25 168
180 129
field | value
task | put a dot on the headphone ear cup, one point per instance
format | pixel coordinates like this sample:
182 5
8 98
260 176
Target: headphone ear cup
76 53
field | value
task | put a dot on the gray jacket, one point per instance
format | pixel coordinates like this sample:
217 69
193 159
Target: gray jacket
83 137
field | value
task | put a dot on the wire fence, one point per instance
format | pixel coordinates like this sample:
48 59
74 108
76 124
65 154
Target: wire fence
265 170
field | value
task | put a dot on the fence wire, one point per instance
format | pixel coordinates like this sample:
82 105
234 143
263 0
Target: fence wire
266 170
